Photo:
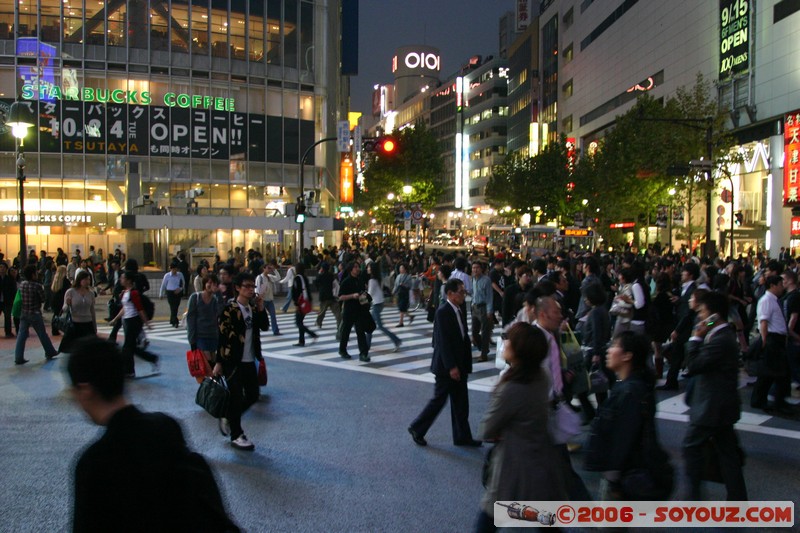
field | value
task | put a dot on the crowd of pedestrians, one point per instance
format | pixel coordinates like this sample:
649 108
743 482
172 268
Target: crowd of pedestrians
642 323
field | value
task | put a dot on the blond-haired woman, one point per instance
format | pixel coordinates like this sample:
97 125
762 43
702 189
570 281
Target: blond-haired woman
59 288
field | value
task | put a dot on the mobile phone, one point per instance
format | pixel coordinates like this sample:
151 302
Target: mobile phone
713 319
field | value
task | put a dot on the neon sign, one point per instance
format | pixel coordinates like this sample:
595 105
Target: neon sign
48 91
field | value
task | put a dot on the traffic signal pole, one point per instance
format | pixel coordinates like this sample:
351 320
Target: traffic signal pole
302 199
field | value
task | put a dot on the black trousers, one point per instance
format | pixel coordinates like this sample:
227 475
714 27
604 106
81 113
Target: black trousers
174 301
348 321
6 310
243 386
726 445
302 328
459 408
775 369
75 332
676 359
132 328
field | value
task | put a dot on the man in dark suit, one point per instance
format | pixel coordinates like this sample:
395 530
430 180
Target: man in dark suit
451 363
140 462
713 398
683 329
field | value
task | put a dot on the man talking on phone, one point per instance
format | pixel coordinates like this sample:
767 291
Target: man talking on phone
713 398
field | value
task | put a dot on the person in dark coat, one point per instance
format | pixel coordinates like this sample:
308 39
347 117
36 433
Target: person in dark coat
451 363
301 287
713 398
8 291
523 464
140 462
683 328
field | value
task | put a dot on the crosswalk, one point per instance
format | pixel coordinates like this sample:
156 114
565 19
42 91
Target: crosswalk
412 361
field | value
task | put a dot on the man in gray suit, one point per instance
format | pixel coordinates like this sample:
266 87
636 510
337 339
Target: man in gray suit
713 398
451 363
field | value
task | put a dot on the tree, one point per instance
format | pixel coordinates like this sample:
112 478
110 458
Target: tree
628 174
418 163
526 183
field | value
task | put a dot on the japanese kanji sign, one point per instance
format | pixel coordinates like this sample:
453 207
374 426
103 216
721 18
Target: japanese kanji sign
791 164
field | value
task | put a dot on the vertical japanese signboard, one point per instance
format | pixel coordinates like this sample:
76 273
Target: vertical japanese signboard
734 38
791 165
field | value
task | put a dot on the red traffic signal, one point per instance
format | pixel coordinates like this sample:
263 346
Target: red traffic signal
384 145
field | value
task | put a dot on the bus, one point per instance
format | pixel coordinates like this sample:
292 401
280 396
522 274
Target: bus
536 241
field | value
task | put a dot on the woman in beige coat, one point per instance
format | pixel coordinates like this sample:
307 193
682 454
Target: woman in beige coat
523 464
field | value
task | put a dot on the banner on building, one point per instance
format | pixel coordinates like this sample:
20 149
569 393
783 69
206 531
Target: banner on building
791 162
523 14
734 38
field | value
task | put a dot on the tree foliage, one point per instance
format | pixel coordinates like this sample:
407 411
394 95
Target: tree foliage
418 163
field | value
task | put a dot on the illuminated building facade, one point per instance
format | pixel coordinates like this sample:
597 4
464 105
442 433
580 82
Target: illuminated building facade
170 124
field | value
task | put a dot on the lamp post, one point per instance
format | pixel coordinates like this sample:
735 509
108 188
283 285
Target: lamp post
407 189
20 118
669 222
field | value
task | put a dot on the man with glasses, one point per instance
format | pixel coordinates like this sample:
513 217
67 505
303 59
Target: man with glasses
451 363
239 347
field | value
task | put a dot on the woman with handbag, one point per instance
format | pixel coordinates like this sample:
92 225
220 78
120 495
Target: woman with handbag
79 302
301 297
623 443
59 290
201 319
523 464
402 289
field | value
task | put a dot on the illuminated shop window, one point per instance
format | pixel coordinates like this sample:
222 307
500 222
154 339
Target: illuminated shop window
200 27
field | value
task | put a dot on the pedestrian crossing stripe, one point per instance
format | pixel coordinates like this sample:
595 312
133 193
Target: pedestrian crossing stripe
412 361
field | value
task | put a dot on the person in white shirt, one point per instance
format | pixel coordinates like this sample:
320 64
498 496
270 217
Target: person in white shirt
173 284
265 288
775 365
288 280
376 292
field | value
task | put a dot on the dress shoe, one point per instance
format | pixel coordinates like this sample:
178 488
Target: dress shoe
400 326
51 357
667 386
21 362
10 335
417 438
470 443
344 355
277 333
364 358
299 344
482 359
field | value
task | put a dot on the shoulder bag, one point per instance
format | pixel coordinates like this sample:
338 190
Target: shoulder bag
303 301
213 396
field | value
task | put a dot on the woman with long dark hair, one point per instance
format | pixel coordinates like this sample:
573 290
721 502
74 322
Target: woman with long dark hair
523 464
80 302
58 289
300 288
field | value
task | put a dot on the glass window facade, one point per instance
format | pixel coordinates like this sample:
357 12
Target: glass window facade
141 102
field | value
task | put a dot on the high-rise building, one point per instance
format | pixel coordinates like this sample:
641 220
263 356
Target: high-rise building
170 124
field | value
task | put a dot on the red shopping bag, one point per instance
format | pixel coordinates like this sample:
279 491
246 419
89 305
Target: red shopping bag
198 365
262 372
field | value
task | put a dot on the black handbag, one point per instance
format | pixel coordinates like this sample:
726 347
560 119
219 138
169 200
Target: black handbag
63 321
213 396
598 379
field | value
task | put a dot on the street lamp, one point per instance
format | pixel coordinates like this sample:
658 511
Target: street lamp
20 118
672 192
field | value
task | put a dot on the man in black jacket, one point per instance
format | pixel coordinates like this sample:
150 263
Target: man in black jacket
8 291
140 475
685 318
713 398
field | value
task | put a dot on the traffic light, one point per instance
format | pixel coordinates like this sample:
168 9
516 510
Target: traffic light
385 145
738 218
300 210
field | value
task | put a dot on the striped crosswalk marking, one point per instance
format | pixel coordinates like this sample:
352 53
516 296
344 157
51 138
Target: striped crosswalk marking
411 361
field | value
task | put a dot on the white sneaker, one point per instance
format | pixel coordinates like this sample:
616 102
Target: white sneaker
241 443
224 427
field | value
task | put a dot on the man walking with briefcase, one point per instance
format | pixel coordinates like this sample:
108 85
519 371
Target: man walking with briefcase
239 347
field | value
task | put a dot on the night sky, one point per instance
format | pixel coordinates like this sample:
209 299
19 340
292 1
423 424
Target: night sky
460 29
